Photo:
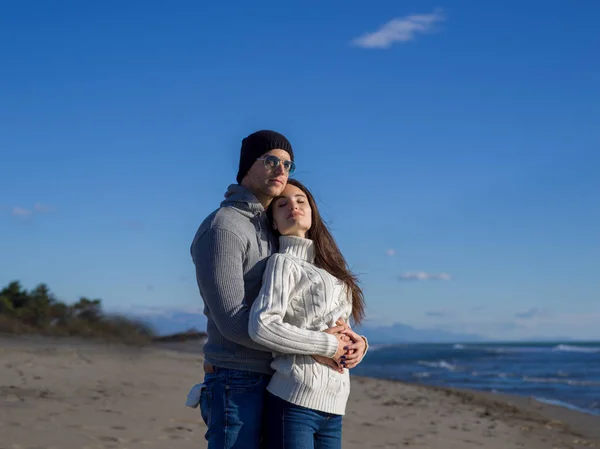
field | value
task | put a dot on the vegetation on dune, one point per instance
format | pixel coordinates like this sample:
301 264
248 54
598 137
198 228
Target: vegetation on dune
39 312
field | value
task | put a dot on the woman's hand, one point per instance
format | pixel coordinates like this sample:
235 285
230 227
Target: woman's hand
355 350
343 341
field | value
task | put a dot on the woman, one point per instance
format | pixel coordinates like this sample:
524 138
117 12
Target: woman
307 288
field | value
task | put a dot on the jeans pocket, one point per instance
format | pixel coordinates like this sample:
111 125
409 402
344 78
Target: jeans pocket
205 403
244 381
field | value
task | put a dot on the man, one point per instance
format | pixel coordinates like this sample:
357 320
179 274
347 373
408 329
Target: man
230 251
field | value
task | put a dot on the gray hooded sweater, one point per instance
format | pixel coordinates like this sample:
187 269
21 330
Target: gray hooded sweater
230 252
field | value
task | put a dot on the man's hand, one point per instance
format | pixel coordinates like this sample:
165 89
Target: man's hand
328 362
336 329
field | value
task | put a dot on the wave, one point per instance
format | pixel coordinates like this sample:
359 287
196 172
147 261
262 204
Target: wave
438 364
458 346
530 349
556 380
519 349
495 374
564 404
570 348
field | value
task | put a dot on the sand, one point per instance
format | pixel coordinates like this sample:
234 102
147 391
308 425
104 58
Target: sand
68 394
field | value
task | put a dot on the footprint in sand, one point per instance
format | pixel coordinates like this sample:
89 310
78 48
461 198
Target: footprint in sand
107 410
108 439
473 442
177 429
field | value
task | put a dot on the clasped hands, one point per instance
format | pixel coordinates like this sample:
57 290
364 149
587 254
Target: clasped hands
350 351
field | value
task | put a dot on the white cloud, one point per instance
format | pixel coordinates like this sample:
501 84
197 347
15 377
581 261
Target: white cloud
422 276
438 313
534 312
401 29
390 252
20 212
38 207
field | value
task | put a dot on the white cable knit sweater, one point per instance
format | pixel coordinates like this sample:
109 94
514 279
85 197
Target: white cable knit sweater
296 303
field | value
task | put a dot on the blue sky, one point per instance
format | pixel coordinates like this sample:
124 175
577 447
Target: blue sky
453 148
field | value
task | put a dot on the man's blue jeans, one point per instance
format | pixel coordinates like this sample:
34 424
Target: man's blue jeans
289 426
231 404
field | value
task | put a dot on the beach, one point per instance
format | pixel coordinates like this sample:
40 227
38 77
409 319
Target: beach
72 393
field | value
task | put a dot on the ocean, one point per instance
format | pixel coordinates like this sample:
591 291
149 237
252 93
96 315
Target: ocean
561 374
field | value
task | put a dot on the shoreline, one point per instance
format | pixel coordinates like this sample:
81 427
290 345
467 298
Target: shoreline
579 423
491 395
81 393
514 407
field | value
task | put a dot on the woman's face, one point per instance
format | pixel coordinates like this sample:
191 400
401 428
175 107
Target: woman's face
292 214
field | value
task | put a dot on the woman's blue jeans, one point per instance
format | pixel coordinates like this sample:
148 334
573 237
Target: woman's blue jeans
289 426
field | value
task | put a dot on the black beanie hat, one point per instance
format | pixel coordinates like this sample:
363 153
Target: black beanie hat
257 144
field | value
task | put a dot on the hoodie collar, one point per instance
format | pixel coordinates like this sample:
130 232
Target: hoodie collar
242 199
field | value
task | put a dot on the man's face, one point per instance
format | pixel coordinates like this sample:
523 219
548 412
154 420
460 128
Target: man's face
267 182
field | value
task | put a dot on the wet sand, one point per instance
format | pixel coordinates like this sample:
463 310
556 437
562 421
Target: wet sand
66 394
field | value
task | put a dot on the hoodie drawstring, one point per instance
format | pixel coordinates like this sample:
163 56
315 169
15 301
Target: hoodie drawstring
259 233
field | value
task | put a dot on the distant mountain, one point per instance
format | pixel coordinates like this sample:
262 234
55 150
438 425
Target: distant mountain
174 322
403 333
550 339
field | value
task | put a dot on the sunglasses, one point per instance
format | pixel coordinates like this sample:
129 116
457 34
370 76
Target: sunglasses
272 162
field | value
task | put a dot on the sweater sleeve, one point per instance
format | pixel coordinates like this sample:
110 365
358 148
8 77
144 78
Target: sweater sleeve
218 255
266 324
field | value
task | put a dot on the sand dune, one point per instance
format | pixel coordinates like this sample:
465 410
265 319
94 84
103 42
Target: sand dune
68 394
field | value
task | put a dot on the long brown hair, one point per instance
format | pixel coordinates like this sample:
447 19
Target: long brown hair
327 254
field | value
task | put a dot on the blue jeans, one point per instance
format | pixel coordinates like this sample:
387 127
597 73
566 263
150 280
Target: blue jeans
232 405
289 426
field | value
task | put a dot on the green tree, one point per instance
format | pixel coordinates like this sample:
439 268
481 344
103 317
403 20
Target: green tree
88 309
6 306
15 294
36 313
59 314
